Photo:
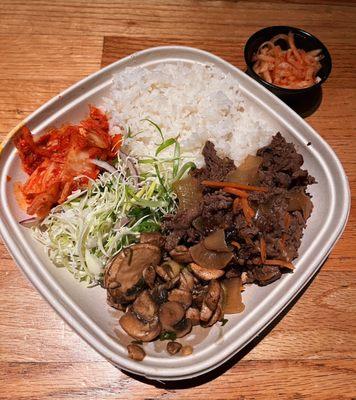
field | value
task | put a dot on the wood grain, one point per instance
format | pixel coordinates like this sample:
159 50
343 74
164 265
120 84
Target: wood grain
46 46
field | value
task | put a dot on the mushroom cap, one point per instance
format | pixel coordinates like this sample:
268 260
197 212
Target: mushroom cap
183 327
186 280
211 300
194 315
136 352
181 254
140 330
145 307
127 268
170 314
181 296
206 274
154 238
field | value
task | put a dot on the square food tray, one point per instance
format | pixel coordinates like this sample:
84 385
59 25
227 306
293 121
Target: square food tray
86 311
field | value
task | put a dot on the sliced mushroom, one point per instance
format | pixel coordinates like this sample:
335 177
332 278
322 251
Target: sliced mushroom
168 270
206 274
181 254
186 280
154 238
183 327
112 302
208 258
194 315
198 294
136 352
216 242
160 294
145 306
210 301
181 296
170 314
173 348
217 314
123 275
186 350
149 275
140 330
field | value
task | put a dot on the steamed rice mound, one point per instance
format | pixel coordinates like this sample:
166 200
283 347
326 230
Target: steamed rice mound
194 102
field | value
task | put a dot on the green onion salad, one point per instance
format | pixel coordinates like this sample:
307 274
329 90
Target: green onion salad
84 233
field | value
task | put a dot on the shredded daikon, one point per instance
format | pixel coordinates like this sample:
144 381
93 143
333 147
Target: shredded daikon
292 68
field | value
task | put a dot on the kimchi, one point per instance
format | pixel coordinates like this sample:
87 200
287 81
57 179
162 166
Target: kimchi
60 161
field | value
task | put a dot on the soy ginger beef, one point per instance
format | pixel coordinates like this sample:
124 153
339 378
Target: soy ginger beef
279 213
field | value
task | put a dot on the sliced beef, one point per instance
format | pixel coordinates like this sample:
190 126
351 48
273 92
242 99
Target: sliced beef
281 165
279 219
215 168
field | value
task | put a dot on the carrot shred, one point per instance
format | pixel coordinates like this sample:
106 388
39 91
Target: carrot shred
280 263
236 205
263 249
247 210
235 191
216 184
236 244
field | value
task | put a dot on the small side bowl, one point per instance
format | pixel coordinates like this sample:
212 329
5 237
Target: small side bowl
303 40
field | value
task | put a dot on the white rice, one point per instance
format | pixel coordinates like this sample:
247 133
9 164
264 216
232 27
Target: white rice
193 101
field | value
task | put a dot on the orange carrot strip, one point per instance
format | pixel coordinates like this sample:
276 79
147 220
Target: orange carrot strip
280 263
235 191
236 205
263 249
247 210
215 184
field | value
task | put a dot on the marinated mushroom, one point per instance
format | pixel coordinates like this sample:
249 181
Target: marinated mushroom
186 350
208 258
136 352
181 254
183 327
168 270
123 276
149 276
140 329
186 280
173 348
154 238
145 307
194 315
170 314
206 274
181 296
211 300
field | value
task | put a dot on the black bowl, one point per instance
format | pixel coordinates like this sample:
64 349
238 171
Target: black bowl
298 99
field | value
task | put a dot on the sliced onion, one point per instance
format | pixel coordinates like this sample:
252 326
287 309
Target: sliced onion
104 165
216 242
233 299
247 172
29 222
188 192
209 259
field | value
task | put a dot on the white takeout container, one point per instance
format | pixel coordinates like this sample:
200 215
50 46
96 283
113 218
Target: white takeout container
86 311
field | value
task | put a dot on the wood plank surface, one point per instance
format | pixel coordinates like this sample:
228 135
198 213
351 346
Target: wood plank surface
45 46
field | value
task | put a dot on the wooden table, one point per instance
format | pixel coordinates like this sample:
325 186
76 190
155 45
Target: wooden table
46 46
